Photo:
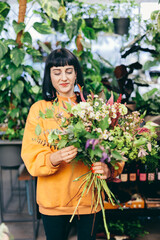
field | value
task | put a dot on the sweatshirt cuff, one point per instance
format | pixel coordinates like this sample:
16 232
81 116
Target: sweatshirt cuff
48 162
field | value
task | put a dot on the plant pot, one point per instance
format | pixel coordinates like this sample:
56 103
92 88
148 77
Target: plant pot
121 25
10 153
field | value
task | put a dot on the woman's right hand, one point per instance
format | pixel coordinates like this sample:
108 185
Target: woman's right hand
66 154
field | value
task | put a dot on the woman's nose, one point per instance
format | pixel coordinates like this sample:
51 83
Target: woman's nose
64 77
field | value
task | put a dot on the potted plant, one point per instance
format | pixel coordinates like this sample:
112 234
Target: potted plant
122 12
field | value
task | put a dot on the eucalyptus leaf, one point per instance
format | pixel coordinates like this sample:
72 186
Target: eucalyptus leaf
38 130
49 113
62 143
42 28
18 26
17 56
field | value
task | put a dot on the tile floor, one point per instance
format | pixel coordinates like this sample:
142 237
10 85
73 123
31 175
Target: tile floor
22 231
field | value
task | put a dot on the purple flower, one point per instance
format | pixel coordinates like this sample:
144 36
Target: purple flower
95 143
88 143
104 157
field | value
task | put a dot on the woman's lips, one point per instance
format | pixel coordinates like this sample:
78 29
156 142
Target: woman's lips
64 84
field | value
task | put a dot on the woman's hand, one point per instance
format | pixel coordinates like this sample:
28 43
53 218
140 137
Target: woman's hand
66 154
101 168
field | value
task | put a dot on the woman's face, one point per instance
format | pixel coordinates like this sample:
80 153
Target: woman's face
63 80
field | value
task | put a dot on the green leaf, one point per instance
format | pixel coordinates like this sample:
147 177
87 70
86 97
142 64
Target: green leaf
14 113
73 27
33 52
140 142
117 155
4 9
69 107
11 42
26 38
41 114
149 94
104 123
51 8
17 56
18 89
86 44
28 69
38 130
18 26
1 25
42 28
35 89
3 49
62 143
15 72
89 33
44 47
49 113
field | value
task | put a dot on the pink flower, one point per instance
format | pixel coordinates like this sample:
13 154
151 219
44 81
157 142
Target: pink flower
142 153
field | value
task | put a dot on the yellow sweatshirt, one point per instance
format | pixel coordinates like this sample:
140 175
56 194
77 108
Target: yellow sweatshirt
57 194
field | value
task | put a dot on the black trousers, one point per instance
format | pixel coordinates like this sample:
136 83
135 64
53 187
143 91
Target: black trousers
57 227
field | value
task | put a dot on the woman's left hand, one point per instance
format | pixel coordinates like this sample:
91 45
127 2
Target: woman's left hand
101 168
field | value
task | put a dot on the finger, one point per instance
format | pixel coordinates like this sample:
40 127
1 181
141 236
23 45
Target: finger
96 164
69 158
102 177
67 153
69 148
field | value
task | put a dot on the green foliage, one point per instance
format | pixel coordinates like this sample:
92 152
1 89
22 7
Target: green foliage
149 102
17 93
132 228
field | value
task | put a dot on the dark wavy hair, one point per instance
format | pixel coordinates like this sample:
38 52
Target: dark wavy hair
59 58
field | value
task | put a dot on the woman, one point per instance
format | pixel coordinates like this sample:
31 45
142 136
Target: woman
56 191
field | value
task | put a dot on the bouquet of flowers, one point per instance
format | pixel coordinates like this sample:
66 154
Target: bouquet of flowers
102 131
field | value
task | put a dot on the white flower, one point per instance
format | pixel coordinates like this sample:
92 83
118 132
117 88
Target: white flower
84 105
97 117
90 109
96 96
122 109
114 115
99 130
104 136
92 115
82 113
110 138
103 115
96 104
109 120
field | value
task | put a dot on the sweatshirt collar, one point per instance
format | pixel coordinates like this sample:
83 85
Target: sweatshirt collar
66 99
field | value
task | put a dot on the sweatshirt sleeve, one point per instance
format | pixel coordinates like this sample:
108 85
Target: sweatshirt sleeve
34 153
